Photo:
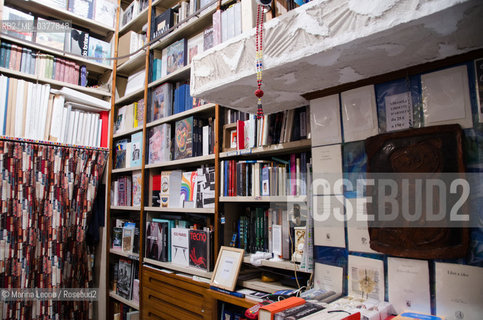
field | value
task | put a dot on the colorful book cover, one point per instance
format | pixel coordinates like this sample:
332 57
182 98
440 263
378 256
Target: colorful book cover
188 188
180 246
161 105
79 42
127 239
136 149
136 188
124 281
99 49
176 56
165 190
117 238
169 224
198 244
195 46
170 195
183 147
159 143
155 196
155 240
139 113
205 181
120 148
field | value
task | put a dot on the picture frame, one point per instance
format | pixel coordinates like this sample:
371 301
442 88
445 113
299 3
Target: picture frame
227 268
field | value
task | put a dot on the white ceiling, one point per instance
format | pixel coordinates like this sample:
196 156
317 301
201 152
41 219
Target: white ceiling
326 43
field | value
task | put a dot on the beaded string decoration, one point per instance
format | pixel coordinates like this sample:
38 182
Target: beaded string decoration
259 59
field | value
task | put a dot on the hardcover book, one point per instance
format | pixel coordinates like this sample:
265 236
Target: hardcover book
176 56
156 190
183 142
48 38
208 39
127 239
105 12
117 238
188 189
79 42
156 241
195 46
205 181
162 99
180 246
139 113
16 15
171 189
159 143
168 224
82 8
163 23
124 281
121 147
198 245
99 49
136 149
136 188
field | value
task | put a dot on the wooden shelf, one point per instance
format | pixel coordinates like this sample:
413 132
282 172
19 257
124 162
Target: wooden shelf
56 83
38 7
136 24
206 108
174 267
135 95
126 169
242 302
125 208
189 210
270 150
285 264
133 256
259 285
193 26
178 75
193 160
135 63
126 133
92 65
290 199
130 303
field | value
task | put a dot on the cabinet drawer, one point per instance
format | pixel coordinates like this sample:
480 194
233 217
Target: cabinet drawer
168 296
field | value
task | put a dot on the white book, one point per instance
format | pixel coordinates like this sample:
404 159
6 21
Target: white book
164 62
98 139
180 246
325 119
128 153
230 26
129 123
56 126
69 115
76 125
79 97
93 133
135 82
206 143
19 108
265 130
224 25
87 132
70 131
249 14
45 106
105 12
80 129
237 18
37 111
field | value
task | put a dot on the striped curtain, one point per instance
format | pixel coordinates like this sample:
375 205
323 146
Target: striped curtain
47 193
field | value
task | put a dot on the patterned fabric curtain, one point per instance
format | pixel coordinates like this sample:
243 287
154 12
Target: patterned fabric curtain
46 193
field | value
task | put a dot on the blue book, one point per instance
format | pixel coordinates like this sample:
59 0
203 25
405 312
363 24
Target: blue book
188 102
182 100
171 224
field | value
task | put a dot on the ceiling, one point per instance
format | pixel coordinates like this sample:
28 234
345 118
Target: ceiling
326 43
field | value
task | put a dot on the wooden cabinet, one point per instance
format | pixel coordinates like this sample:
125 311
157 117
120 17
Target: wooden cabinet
169 296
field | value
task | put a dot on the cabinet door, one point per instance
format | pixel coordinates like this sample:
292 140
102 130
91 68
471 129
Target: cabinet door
167 296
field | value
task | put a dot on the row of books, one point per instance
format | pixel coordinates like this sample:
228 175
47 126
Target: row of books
129 152
18 58
280 127
269 230
128 44
125 280
276 177
192 137
68 39
125 236
124 312
188 189
102 11
129 117
188 247
29 110
132 11
126 190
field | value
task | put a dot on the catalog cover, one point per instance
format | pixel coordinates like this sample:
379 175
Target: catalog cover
161 105
124 281
136 188
136 149
176 56
79 42
159 143
155 241
198 244
99 49
180 246
183 144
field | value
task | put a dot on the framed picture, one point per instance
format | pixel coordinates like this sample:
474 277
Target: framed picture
227 268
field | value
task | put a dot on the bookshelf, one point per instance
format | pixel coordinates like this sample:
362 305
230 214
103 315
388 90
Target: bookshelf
123 300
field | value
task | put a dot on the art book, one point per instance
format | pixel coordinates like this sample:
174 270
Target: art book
188 189
156 241
124 281
195 46
170 190
136 149
139 113
199 244
16 15
168 224
205 182
117 238
180 246
183 142
79 42
48 38
162 101
159 143
136 188
99 49
163 23
176 56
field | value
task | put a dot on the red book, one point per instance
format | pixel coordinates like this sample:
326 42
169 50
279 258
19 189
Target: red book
104 130
240 135
267 312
